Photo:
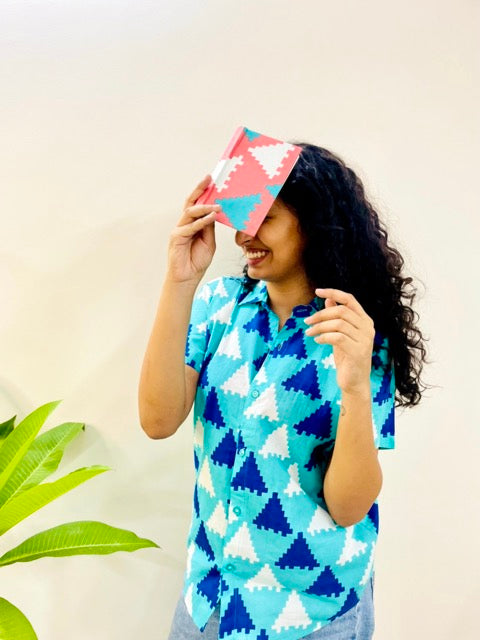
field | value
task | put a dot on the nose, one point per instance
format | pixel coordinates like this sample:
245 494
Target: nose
242 238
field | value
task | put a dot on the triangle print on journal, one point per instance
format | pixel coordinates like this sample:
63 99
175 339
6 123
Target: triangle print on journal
247 179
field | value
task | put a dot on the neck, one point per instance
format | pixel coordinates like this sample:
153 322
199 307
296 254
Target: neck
284 296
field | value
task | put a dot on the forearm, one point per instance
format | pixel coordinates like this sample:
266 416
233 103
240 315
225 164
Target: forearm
162 390
354 477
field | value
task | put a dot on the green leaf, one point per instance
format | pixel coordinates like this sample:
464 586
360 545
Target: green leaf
75 538
13 624
6 428
41 459
26 503
19 440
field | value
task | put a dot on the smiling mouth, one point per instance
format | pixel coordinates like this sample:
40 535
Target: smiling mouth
255 255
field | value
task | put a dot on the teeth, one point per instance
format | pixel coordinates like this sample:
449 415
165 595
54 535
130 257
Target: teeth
256 254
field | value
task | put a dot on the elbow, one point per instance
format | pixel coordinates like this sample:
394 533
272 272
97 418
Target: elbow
352 510
157 428
348 520
157 431
350 513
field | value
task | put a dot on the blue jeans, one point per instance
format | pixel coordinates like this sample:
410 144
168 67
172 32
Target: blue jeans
356 624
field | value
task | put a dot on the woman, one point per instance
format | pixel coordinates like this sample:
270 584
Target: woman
294 388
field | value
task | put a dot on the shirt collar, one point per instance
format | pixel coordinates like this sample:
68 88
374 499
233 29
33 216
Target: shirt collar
259 294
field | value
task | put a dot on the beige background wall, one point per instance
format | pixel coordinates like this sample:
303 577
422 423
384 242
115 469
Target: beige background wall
111 112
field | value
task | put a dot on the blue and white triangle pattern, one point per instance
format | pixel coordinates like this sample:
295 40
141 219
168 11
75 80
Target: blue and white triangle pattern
262 543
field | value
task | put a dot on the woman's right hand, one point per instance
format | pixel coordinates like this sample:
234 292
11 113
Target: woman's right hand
192 241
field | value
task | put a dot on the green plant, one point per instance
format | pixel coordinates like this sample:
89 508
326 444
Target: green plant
26 459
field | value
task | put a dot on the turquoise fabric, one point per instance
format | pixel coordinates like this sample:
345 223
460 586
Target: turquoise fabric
358 622
262 545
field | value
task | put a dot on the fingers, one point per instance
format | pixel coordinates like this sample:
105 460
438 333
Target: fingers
333 312
198 224
342 319
197 192
330 326
341 297
196 212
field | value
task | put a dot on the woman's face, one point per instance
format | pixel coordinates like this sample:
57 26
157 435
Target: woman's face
274 254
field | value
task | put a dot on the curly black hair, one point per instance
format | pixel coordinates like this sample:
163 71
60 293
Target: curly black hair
347 248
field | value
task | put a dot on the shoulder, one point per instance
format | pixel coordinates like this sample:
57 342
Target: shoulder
221 290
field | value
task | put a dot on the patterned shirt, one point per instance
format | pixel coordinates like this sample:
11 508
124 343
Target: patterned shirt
262 545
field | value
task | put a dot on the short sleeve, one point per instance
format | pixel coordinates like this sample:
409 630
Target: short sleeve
197 336
382 379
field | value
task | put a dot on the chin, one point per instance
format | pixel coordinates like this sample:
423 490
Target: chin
255 273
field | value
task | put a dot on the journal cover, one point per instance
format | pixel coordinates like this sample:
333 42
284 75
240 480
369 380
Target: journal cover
248 178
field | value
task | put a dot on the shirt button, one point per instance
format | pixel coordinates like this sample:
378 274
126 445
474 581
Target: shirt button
301 311
242 452
255 393
237 511
229 567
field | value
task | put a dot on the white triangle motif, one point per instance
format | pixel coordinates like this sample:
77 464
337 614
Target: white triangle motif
276 444
321 521
230 345
188 599
329 362
232 516
261 376
241 545
205 293
293 488
375 432
263 580
205 478
202 327
293 615
271 157
220 289
237 383
198 433
224 314
265 405
368 570
218 520
190 552
223 170
351 547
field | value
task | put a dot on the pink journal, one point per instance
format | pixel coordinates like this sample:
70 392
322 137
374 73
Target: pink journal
248 178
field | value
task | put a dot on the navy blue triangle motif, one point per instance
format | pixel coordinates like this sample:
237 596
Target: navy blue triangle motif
298 555
249 477
273 517
236 617
306 381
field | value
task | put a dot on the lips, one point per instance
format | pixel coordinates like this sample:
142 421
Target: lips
255 254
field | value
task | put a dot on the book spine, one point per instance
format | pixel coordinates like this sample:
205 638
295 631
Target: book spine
237 136
228 153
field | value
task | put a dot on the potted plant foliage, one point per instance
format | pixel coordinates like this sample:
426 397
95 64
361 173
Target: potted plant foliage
26 460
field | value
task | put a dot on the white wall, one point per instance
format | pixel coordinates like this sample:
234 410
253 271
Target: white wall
111 112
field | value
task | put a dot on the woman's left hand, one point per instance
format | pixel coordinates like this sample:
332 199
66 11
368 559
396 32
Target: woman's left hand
344 324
